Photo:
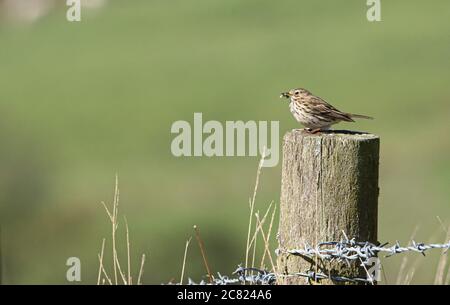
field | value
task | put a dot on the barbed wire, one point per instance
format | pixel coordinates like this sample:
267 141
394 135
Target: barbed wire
346 250
350 250
263 277
270 278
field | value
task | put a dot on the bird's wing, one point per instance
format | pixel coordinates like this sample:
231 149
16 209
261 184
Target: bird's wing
325 109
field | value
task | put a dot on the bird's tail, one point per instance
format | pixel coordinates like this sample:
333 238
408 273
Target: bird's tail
360 116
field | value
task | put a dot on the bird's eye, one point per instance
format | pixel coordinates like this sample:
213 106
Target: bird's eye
297 92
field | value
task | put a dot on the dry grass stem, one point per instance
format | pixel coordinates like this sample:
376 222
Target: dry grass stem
255 240
141 270
114 227
252 206
130 282
259 226
100 259
203 252
401 272
126 276
184 260
440 272
101 262
266 246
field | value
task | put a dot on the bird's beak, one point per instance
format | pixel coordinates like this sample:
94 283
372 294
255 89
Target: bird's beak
285 95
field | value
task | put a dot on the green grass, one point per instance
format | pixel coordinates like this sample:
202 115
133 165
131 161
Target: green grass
80 102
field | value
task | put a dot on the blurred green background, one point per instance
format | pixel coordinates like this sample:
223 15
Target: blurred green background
80 102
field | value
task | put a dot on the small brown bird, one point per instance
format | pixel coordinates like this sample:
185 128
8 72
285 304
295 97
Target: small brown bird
314 113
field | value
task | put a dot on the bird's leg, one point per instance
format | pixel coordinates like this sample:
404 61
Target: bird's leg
310 130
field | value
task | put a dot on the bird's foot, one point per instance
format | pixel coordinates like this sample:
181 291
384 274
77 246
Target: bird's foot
313 131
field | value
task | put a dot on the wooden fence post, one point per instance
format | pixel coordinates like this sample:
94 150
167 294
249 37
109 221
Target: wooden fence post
329 186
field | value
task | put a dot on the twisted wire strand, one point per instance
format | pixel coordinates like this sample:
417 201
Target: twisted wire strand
350 250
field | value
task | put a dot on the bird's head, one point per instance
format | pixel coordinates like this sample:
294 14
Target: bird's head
295 93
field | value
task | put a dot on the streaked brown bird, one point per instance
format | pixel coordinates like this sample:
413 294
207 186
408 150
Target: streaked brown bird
314 113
